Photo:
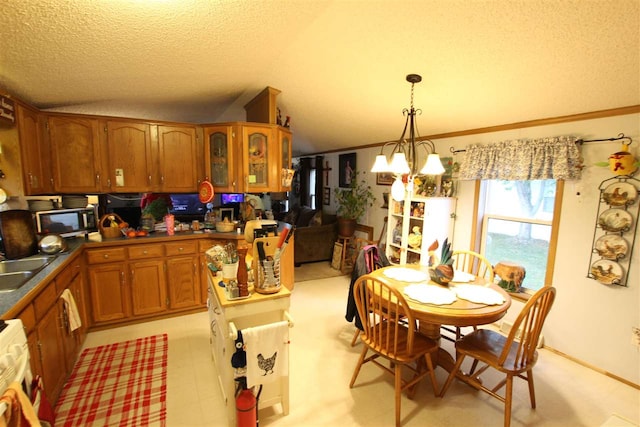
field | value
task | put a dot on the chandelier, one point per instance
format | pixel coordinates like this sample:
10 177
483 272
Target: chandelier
404 154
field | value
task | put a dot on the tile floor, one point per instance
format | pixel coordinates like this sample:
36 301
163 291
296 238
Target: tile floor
321 364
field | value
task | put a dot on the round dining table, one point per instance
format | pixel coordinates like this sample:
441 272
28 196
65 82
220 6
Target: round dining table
460 312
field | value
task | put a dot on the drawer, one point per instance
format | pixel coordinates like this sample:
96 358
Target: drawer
101 256
28 317
181 248
64 278
146 251
203 245
44 301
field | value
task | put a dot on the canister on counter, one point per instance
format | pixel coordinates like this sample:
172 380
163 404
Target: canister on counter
169 221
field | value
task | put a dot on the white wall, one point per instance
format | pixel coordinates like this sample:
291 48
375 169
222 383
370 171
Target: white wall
589 321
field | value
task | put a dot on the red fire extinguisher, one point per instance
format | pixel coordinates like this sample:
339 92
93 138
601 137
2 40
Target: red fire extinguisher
246 409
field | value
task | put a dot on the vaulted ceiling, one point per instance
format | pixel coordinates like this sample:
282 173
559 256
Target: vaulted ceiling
340 65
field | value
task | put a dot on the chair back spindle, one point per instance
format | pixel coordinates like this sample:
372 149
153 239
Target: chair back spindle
384 312
527 328
473 263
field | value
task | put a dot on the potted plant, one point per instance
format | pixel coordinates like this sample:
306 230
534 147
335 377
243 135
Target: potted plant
154 207
353 202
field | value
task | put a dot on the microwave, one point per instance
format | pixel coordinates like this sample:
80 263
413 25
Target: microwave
66 222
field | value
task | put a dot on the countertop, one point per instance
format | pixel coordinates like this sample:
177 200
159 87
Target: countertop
11 303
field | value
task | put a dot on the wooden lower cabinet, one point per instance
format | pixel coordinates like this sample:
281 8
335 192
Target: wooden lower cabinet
184 282
148 287
51 351
183 276
148 280
54 348
108 290
72 340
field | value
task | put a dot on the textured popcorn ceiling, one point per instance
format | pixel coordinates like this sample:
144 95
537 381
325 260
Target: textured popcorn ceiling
340 65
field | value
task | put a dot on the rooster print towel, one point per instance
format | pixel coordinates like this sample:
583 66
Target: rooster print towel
267 349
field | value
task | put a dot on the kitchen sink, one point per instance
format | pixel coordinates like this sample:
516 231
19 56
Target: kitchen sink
11 281
16 272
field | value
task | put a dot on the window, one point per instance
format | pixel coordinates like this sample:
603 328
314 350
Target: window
519 224
312 188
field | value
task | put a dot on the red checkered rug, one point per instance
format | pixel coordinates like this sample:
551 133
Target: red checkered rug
122 384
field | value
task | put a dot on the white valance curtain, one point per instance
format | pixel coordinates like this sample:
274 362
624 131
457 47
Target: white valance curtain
523 159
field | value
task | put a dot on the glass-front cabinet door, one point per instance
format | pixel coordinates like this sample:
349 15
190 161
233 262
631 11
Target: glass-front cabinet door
284 138
220 157
260 164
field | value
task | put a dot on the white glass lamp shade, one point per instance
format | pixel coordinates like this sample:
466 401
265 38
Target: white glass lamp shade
399 164
381 164
433 166
397 190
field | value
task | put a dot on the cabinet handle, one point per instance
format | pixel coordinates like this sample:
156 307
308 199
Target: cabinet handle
109 182
105 256
149 178
122 277
144 252
162 179
30 179
97 179
51 180
181 249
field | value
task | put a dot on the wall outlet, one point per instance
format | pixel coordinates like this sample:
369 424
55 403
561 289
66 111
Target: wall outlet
635 336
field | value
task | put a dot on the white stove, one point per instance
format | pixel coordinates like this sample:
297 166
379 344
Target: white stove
14 358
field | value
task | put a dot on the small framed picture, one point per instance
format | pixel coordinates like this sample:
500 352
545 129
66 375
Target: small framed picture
326 196
385 200
384 178
347 164
226 213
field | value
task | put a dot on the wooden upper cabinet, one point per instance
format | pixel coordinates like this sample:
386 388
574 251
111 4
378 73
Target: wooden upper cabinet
75 154
243 157
285 147
178 159
129 161
36 170
220 157
260 158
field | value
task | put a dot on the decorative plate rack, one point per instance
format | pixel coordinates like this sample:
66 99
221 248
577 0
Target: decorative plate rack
615 230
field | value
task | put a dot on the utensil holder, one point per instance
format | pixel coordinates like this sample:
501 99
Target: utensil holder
268 280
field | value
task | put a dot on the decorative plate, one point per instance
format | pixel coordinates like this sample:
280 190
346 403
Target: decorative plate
611 246
406 274
615 220
205 193
620 194
429 294
462 276
607 272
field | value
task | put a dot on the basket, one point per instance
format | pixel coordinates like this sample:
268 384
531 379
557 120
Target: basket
224 227
110 232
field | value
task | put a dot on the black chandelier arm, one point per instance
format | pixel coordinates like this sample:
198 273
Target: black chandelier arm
396 147
428 145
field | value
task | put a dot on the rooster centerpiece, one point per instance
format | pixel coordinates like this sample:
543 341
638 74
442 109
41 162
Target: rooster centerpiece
443 272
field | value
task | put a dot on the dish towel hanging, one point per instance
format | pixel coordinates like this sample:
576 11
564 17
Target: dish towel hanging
18 409
71 309
267 352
